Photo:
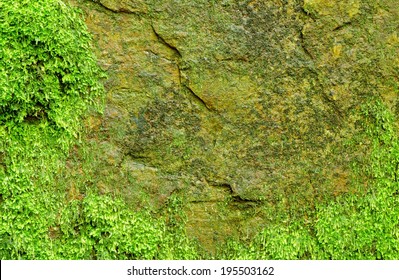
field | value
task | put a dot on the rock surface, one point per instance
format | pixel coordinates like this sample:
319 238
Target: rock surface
237 104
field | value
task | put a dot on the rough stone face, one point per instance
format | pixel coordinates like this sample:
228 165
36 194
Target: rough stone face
123 6
238 104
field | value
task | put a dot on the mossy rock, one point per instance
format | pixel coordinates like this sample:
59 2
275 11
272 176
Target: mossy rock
257 96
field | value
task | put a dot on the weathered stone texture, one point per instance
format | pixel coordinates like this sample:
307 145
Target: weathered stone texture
240 102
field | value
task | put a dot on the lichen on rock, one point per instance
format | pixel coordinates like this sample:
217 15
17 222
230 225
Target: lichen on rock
247 102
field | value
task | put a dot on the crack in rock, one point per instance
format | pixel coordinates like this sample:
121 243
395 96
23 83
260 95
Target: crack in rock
342 26
303 46
178 54
166 43
124 6
197 97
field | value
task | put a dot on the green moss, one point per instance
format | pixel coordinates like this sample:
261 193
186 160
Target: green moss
48 70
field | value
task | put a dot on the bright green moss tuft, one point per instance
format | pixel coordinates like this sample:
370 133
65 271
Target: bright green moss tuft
47 69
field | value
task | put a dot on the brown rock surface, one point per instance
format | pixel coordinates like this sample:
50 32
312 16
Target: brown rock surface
238 104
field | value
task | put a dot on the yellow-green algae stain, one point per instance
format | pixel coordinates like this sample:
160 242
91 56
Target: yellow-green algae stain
239 106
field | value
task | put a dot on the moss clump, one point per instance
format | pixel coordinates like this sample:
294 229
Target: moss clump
48 71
